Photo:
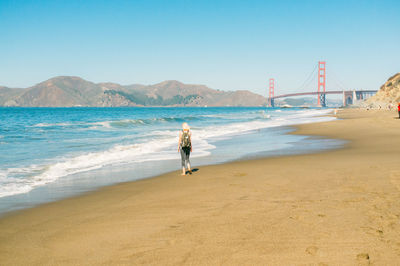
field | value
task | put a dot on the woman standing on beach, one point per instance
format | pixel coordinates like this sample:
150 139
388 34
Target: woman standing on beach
185 147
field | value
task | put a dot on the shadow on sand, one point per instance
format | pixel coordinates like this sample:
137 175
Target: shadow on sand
193 170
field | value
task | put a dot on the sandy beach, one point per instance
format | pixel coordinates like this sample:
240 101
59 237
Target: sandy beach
339 207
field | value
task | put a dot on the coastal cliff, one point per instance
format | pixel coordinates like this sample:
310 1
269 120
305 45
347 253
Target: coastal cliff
389 93
67 91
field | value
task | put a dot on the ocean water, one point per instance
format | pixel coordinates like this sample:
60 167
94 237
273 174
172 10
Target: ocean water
50 153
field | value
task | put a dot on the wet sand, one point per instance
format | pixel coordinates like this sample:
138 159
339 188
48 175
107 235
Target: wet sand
338 207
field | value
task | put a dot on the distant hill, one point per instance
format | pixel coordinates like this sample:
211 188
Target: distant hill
389 93
66 91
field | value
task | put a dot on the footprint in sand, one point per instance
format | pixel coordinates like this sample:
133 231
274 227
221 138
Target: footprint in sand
363 257
312 250
243 198
240 174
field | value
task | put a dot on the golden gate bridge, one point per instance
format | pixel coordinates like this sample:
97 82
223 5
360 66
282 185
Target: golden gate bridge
349 96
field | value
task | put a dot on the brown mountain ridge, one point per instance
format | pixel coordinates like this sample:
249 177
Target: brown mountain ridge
69 91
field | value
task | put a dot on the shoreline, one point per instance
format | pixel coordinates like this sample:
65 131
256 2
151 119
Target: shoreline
274 141
322 207
291 130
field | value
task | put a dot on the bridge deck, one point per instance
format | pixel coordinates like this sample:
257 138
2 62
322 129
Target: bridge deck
316 93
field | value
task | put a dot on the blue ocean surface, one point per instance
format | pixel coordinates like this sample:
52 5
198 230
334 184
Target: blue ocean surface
51 153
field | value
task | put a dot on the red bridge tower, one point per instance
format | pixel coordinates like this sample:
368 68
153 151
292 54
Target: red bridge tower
271 92
321 83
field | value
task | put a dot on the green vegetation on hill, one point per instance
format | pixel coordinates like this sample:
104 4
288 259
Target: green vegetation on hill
142 99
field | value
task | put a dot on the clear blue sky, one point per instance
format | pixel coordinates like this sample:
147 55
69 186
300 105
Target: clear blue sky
226 45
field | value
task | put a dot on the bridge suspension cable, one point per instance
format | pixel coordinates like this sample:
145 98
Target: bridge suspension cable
336 80
309 79
307 82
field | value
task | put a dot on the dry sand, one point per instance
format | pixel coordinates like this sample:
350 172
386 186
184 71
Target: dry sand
339 207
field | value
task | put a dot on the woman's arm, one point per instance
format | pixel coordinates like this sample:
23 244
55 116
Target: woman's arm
191 145
179 141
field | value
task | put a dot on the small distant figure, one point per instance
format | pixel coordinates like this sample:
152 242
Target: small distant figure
398 109
185 147
335 111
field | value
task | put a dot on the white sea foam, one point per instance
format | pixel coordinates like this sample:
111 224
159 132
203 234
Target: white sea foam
52 125
160 145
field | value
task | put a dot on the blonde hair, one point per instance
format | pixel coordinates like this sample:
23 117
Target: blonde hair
185 126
